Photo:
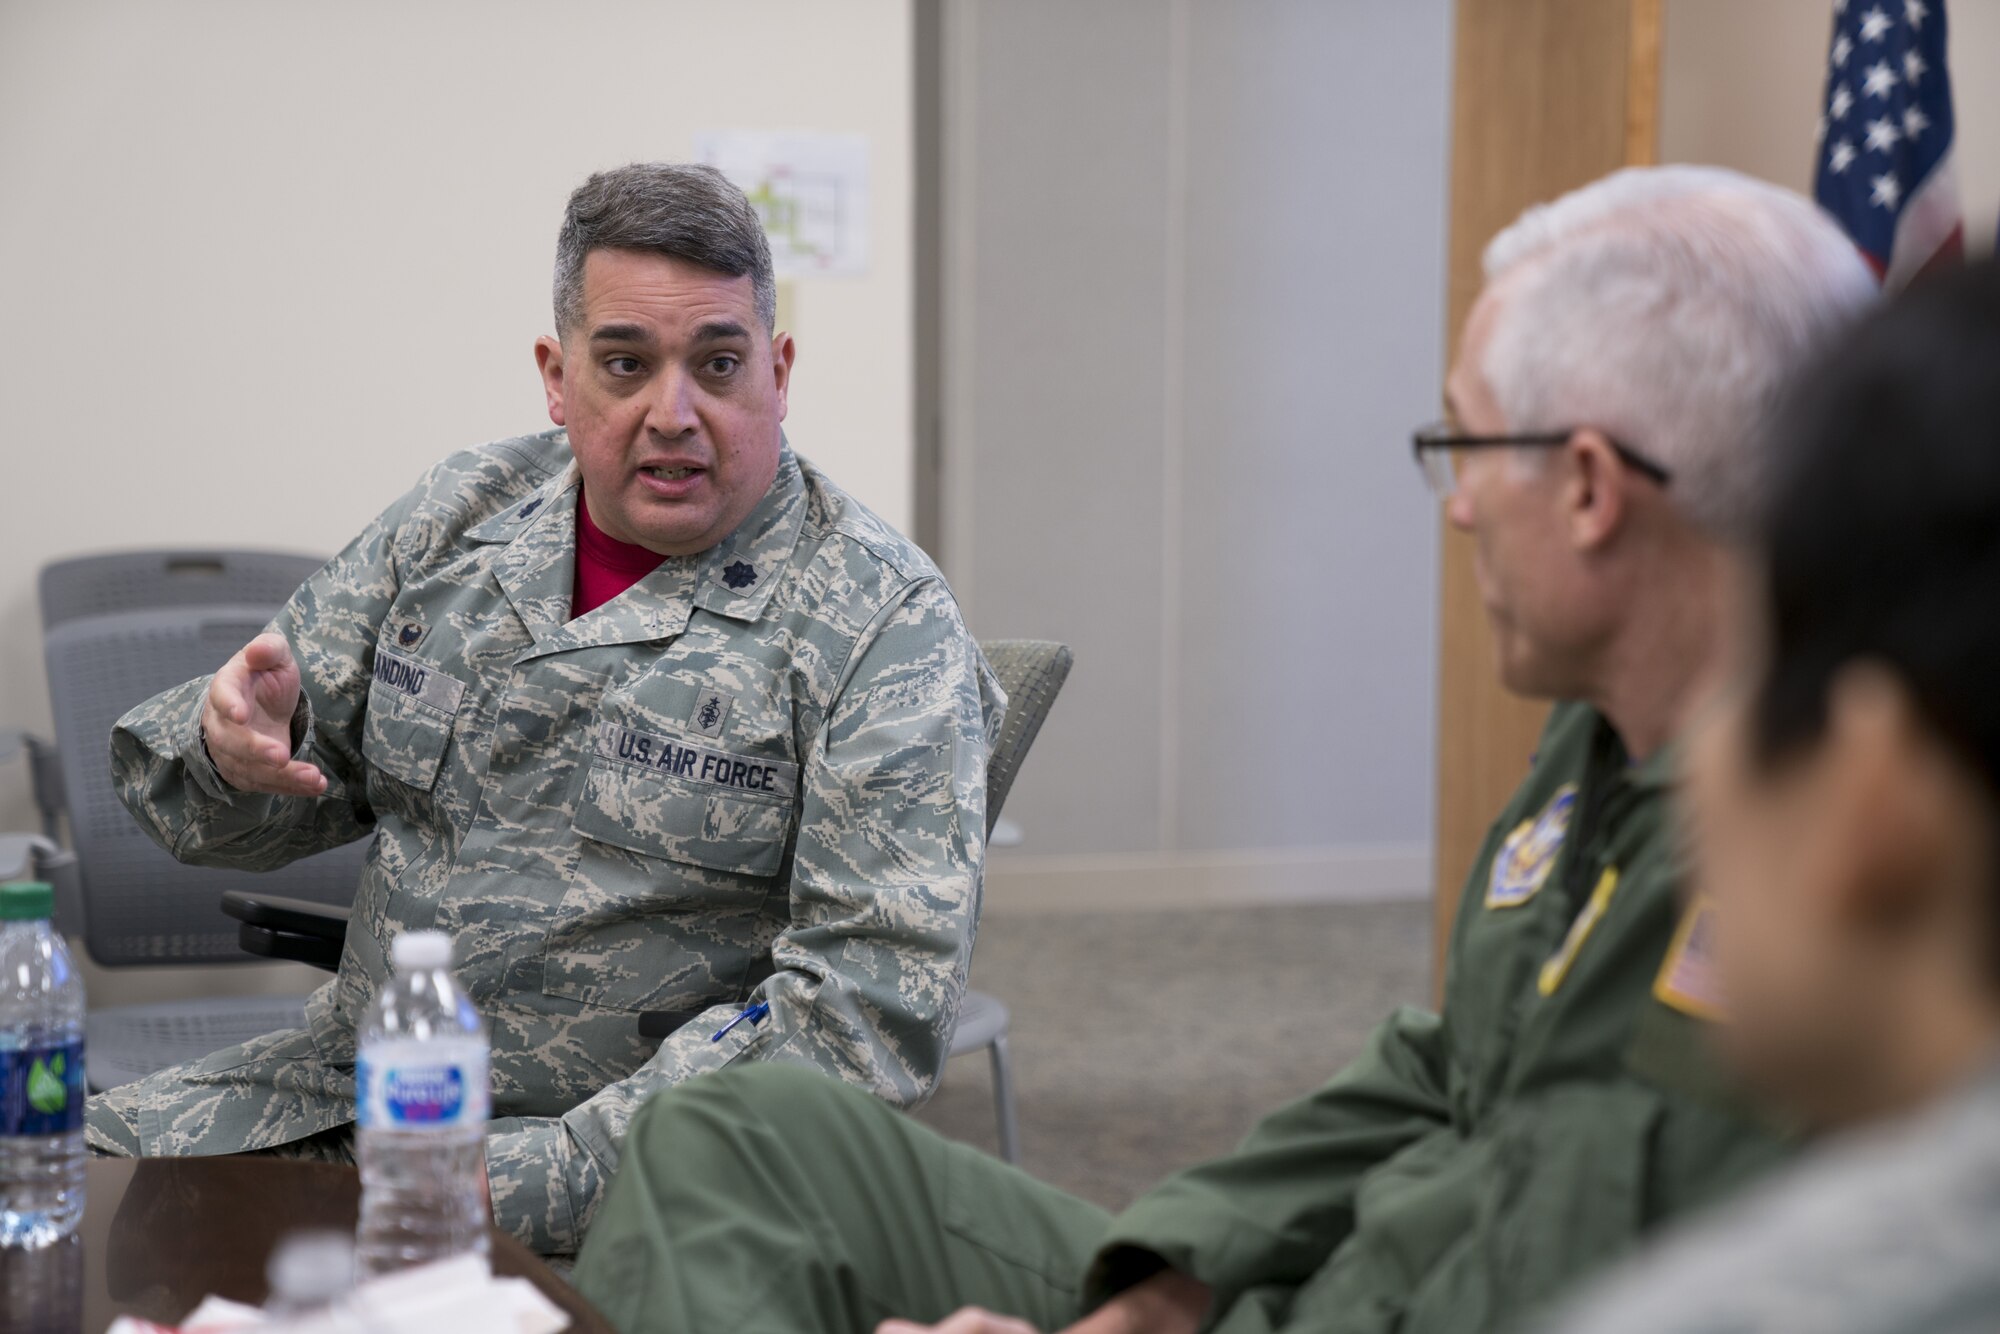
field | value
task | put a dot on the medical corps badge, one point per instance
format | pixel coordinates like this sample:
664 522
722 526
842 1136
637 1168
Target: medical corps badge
1524 861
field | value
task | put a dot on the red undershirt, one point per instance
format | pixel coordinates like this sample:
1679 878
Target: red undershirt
605 567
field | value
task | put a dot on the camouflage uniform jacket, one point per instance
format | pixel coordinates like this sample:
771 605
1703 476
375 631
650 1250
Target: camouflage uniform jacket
759 774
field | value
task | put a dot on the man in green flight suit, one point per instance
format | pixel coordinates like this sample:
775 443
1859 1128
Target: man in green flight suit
1607 404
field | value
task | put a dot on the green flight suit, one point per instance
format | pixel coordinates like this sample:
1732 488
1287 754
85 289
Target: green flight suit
1464 1170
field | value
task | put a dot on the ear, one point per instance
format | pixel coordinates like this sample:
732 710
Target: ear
1594 494
784 349
1892 792
549 361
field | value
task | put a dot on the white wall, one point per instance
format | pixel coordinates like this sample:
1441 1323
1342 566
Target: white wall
1195 297
260 264
1741 83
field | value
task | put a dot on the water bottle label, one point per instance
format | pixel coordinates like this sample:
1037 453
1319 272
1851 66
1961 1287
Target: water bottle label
41 1089
430 1085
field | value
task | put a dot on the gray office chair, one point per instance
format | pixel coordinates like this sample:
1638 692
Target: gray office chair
1031 671
156 580
134 903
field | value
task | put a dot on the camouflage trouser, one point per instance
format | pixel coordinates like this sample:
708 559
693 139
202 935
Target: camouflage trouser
271 1094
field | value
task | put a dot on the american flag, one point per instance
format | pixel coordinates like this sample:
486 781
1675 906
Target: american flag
1885 161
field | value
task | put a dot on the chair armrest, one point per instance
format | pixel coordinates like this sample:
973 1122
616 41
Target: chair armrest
44 775
301 917
266 943
299 930
655 1025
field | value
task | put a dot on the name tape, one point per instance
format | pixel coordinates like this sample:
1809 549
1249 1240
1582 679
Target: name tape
420 681
666 755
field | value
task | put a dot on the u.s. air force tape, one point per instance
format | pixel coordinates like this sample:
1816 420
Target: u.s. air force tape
419 680
667 755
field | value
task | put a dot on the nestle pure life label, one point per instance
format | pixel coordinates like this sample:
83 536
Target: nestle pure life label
402 1084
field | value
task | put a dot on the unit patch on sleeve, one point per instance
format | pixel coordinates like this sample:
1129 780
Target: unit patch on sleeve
1524 861
1689 980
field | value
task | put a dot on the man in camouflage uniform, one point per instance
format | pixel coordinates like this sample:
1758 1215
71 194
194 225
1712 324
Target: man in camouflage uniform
757 776
1608 396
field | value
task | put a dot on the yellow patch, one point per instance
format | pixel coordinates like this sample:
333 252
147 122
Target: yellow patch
1557 968
1524 861
1689 980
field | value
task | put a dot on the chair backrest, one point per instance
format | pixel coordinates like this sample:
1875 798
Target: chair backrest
1031 671
152 580
139 904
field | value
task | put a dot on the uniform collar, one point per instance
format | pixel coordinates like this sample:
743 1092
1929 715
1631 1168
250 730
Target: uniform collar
1654 773
735 578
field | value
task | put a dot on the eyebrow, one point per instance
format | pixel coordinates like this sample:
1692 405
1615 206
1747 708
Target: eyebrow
620 333
716 331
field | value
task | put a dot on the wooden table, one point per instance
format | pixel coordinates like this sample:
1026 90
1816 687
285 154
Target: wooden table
159 1234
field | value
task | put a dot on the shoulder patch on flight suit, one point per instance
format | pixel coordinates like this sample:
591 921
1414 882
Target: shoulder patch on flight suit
1557 968
420 681
1524 861
1689 980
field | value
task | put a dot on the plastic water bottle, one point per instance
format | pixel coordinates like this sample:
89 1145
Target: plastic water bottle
422 1103
41 1074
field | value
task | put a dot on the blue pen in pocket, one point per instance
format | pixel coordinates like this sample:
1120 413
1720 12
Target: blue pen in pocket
755 1014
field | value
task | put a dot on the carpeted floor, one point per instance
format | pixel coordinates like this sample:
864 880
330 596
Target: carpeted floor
1143 1043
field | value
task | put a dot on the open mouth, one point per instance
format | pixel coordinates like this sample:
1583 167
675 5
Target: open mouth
671 474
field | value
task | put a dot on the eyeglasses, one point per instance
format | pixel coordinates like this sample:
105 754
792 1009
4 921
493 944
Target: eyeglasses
1437 448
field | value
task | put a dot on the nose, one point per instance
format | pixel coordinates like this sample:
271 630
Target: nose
670 414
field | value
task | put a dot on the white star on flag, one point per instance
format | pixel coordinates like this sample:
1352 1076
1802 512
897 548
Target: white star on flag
1882 145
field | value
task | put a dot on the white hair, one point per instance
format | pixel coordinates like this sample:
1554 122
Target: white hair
1668 307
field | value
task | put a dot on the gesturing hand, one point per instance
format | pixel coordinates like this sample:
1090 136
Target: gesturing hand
247 721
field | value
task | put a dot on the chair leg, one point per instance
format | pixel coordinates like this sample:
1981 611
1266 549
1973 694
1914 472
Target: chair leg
1003 1102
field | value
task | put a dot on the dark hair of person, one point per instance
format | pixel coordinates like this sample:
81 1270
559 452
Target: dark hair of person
678 209
1882 538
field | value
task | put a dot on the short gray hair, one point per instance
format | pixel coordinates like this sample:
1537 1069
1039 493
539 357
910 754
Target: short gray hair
1669 308
679 209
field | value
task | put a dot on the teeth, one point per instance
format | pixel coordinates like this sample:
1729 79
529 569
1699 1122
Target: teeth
670 474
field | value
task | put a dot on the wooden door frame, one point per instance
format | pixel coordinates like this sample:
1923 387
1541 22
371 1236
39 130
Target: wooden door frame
1546 95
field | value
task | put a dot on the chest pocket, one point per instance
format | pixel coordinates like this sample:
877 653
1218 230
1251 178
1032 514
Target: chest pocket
407 729
680 845
672 798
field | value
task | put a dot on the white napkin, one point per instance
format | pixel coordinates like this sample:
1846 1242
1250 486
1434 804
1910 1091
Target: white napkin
456 1296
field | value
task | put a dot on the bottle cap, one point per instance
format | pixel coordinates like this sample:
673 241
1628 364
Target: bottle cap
26 901
421 949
